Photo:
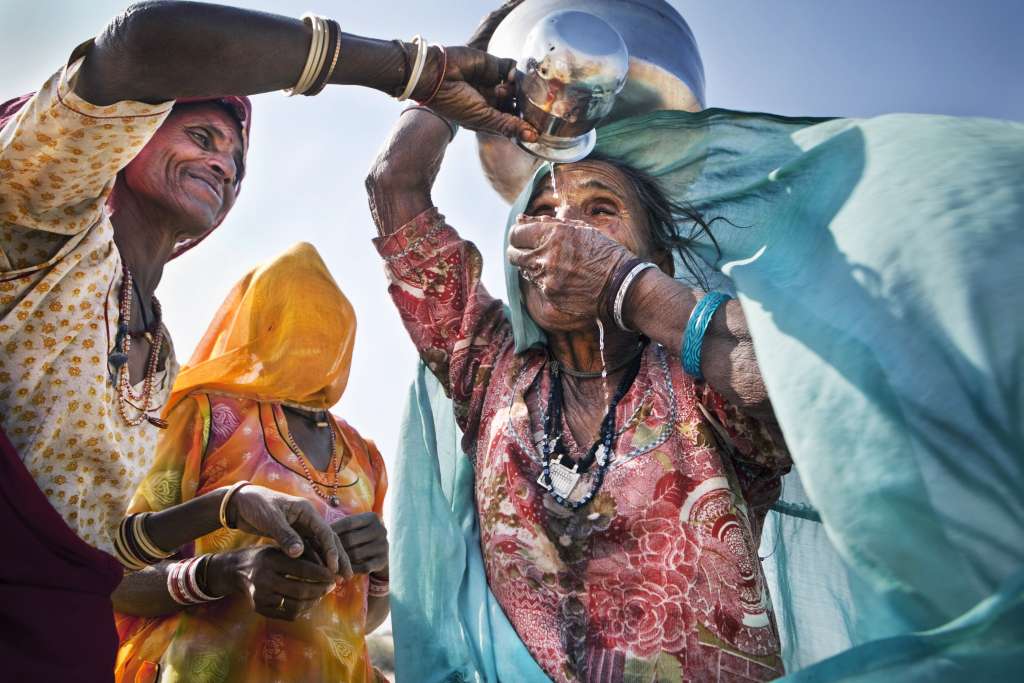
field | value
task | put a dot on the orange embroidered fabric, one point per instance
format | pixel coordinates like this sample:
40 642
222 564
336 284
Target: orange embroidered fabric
284 334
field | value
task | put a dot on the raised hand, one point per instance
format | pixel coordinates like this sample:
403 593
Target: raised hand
570 264
475 85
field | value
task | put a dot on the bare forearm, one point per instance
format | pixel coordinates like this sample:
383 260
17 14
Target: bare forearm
180 524
660 306
376 612
144 593
163 50
400 180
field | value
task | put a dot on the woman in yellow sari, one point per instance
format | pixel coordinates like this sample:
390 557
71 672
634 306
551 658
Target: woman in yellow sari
251 406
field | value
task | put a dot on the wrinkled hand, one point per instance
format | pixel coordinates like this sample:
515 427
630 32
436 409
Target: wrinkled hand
571 263
476 86
287 520
278 586
365 540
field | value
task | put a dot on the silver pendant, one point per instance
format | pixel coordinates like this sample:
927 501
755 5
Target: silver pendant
563 479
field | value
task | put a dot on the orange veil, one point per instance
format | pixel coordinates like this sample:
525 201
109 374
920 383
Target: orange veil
284 335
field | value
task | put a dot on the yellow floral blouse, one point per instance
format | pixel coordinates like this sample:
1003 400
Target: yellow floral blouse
59 279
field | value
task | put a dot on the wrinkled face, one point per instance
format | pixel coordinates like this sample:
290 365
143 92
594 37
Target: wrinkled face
191 168
600 195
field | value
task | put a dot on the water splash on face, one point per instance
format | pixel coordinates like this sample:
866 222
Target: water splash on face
604 364
562 209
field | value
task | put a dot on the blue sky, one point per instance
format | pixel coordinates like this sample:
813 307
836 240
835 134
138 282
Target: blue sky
309 155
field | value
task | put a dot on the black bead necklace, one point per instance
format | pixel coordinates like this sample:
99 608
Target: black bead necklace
557 477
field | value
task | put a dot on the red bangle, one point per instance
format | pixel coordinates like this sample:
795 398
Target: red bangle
440 81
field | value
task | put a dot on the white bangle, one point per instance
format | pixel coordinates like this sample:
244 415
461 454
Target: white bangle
620 296
417 67
226 500
193 580
315 58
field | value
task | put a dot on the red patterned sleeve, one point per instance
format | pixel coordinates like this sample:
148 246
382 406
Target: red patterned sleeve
759 453
458 328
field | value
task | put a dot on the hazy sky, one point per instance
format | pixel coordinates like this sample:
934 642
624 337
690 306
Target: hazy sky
309 155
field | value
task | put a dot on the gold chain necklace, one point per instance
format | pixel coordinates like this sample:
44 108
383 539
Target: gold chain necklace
332 498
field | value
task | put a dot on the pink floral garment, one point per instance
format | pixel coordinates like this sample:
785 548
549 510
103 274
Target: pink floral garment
657 579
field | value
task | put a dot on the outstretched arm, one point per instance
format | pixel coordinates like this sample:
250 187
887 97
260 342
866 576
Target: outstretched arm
163 50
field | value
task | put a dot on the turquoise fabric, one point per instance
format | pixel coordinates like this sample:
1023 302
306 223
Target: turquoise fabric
879 265
447 625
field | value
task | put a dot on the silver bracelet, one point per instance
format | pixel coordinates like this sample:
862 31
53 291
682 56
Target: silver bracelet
417 68
453 127
620 296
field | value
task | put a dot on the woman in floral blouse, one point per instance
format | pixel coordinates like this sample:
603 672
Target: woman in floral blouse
619 515
107 172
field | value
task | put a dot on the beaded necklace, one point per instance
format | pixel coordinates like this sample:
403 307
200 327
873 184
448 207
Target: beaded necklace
334 466
557 477
127 398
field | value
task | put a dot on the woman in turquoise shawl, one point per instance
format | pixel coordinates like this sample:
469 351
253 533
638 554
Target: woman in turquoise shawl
878 263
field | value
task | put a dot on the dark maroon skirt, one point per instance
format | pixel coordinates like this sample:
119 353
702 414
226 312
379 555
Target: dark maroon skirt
56 620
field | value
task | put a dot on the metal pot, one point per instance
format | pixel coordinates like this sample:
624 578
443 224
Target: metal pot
665 72
573 65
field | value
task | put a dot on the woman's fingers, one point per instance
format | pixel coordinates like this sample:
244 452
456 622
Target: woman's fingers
275 606
535 233
306 518
275 525
302 570
353 522
371 557
526 260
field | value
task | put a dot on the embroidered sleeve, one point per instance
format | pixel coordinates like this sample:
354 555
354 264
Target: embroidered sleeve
754 441
457 327
60 155
759 453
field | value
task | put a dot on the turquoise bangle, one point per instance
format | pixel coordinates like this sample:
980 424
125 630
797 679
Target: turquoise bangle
693 337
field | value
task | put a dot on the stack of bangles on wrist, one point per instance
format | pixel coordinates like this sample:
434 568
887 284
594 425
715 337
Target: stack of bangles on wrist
186 581
133 546
380 586
324 50
693 336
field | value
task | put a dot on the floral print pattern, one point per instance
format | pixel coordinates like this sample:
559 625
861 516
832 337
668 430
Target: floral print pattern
213 441
60 276
657 578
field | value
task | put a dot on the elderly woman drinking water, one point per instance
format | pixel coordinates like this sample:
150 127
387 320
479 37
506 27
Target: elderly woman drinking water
125 158
619 500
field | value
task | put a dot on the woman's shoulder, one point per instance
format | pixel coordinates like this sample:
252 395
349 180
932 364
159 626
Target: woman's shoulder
366 445
221 413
